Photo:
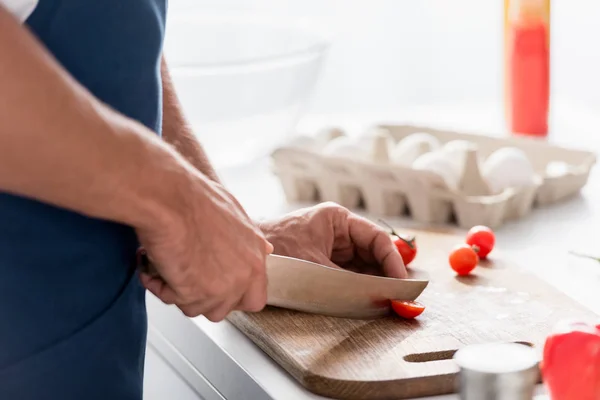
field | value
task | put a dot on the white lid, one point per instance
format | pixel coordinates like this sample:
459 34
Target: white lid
497 358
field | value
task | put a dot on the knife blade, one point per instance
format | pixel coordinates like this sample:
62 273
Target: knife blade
314 288
318 289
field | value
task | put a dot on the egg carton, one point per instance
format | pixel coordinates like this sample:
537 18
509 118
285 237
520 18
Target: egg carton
309 174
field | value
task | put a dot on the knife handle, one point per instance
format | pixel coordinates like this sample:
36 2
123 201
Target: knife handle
144 264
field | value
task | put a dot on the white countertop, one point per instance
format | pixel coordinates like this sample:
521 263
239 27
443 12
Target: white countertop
220 358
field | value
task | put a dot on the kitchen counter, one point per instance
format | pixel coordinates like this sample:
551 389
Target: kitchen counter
218 362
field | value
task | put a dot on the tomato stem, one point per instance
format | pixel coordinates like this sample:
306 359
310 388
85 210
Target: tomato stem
410 241
475 248
576 254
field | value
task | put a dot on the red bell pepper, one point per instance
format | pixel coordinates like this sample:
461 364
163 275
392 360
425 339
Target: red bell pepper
571 362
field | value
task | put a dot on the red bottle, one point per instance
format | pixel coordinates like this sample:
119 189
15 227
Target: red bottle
528 66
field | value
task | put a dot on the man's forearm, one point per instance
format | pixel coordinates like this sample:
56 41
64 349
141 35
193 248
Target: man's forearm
60 145
177 131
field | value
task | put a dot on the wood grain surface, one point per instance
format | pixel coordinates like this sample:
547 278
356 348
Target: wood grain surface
390 358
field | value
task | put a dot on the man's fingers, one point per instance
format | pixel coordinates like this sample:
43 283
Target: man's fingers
219 313
366 255
269 247
369 237
200 308
392 263
328 263
159 288
255 298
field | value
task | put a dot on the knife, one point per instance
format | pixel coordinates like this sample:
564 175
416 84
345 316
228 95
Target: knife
318 289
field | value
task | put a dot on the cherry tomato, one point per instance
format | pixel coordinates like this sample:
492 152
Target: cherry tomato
482 237
463 259
407 249
407 309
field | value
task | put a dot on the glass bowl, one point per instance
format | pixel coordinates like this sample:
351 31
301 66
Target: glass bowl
243 81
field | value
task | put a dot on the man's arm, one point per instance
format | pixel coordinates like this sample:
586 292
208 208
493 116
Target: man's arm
177 131
60 145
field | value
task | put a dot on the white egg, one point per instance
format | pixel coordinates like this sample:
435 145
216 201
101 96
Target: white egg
458 144
329 133
557 169
303 142
456 151
437 163
345 147
412 147
508 167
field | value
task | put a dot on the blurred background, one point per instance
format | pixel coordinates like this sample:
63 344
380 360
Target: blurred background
430 61
400 52
437 63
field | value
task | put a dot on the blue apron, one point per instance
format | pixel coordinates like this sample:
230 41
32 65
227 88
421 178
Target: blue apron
72 312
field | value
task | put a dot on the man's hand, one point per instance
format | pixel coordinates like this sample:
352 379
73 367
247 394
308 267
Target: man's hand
210 257
62 146
329 234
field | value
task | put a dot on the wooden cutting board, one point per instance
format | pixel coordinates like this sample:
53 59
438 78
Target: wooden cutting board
390 358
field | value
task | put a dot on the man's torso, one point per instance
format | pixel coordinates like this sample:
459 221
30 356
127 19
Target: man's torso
67 285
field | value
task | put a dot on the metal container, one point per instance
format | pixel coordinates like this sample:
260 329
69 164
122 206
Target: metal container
502 371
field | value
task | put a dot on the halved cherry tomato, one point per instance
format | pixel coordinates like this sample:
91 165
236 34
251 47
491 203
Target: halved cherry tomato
463 259
407 309
407 247
482 237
